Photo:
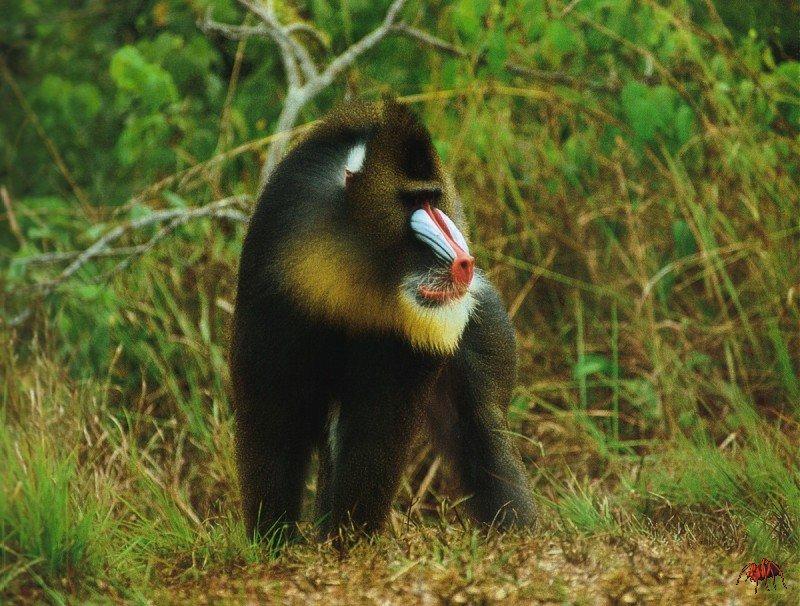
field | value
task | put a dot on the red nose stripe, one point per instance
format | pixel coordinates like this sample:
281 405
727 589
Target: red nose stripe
463 266
435 215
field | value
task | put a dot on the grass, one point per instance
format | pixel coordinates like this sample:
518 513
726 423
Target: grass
48 533
654 282
109 504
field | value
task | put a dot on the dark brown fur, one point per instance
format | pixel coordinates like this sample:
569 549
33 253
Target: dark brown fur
293 367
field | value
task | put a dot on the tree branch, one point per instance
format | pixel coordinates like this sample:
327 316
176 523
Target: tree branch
292 50
53 258
228 209
234 32
297 62
348 57
304 80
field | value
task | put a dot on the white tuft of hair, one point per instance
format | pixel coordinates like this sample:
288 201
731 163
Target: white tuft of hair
334 440
355 158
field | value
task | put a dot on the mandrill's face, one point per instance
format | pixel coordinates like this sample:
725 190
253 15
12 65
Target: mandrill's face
396 256
407 212
449 275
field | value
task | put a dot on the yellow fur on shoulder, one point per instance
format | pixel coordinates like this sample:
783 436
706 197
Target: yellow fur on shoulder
327 279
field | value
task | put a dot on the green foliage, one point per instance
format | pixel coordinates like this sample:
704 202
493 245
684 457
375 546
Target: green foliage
141 81
45 527
467 16
654 111
558 41
760 481
589 364
635 196
582 510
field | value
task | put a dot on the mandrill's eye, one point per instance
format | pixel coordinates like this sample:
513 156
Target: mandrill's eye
415 196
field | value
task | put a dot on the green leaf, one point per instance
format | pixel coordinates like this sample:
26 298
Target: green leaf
145 81
89 292
518 408
496 52
645 398
533 16
174 200
139 211
442 148
560 36
558 41
145 140
684 124
94 231
467 17
684 243
590 364
637 108
323 13
450 71
648 110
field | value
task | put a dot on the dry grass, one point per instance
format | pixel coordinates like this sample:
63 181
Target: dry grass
447 565
149 516
654 283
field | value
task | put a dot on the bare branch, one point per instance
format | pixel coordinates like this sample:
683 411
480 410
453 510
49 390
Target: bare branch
348 57
284 42
296 58
53 258
292 51
297 62
159 216
234 32
306 63
221 209
304 82
429 40
150 244
293 103
298 97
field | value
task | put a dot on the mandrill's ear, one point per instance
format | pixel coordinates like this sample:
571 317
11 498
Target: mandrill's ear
354 161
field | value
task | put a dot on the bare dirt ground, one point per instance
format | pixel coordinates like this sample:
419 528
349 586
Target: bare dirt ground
451 566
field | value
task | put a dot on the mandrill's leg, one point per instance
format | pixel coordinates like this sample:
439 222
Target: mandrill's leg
278 420
468 418
273 447
322 505
368 440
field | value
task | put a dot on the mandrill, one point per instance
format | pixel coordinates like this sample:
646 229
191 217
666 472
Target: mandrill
359 317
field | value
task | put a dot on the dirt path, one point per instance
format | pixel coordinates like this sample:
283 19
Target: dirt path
435 566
